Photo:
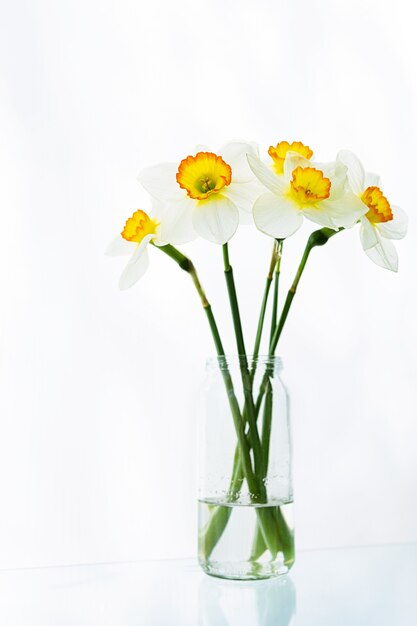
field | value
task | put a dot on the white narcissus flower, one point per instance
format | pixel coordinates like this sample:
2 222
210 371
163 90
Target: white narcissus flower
381 221
139 231
206 194
298 188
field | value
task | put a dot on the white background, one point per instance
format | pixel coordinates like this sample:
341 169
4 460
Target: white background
99 389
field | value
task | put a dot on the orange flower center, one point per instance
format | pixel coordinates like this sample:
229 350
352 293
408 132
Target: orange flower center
203 175
279 153
378 205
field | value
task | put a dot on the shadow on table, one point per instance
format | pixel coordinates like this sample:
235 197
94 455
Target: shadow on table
260 603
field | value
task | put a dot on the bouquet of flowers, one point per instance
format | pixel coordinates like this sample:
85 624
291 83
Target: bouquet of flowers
208 195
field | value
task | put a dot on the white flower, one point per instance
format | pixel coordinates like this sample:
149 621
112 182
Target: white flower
139 231
204 194
297 189
381 221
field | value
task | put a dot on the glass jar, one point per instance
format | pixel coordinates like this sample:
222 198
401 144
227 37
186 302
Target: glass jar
245 484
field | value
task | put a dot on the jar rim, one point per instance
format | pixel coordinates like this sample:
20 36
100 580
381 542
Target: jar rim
224 362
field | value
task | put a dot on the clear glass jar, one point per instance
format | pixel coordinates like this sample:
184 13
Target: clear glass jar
245 484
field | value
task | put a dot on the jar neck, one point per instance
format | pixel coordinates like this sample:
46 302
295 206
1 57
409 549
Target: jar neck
233 361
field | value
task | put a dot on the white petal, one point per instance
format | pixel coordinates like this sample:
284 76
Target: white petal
355 170
160 181
293 160
319 215
384 254
120 247
234 153
216 218
175 221
276 216
272 181
337 172
137 265
397 227
371 180
244 195
343 212
368 234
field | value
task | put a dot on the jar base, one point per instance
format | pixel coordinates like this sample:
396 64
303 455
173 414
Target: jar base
244 570
245 542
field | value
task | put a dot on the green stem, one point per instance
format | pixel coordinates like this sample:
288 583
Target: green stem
264 303
317 238
266 425
226 262
284 540
259 546
249 412
231 288
274 315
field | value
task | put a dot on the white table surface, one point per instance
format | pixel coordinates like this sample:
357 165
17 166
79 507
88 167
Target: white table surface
367 586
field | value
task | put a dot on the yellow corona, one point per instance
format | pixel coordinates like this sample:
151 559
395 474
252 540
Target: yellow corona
309 185
378 205
138 226
203 175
